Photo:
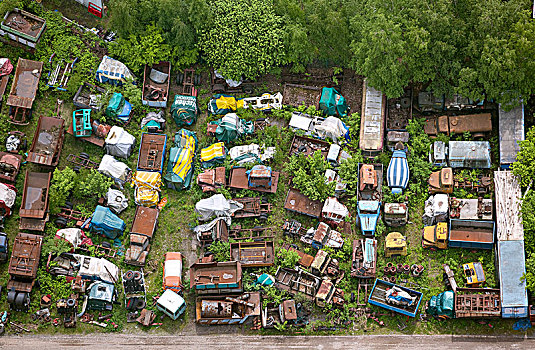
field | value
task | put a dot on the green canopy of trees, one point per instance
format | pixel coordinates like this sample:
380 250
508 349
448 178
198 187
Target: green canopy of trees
478 48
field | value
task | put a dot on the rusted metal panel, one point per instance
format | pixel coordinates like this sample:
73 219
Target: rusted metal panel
371 182
35 195
296 95
211 179
252 207
297 281
253 254
151 152
145 221
399 111
299 203
364 258
305 260
47 141
446 124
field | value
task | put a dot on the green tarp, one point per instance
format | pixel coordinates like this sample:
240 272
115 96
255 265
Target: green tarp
230 127
115 105
442 305
333 103
184 110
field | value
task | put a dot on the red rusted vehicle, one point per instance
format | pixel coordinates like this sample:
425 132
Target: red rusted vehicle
47 142
34 206
9 166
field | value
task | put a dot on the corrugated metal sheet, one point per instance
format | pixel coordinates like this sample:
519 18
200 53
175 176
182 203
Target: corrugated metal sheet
469 154
372 122
511 127
512 265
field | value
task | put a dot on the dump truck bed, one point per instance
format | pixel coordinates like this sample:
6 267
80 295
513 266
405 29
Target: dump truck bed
151 152
378 297
471 234
253 254
162 87
25 83
216 278
238 180
35 195
47 141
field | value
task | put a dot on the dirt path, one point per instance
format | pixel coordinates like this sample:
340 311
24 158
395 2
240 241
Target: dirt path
259 342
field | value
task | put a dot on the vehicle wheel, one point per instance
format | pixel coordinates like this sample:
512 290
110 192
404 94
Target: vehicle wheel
197 79
248 88
180 78
24 145
69 205
10 113
140 304
84 155
30 115
128 275
137 276
61 222
71 302
265 200
263 217
76 168
208 253
106 244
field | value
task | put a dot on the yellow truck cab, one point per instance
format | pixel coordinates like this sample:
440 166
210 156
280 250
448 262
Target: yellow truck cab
395 245
435 236
475 276
441 181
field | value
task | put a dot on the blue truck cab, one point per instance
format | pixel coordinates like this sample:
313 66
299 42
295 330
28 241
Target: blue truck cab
368 213
105 223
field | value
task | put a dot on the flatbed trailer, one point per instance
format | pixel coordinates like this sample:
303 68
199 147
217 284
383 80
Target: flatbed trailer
156 84
34 205
237 233
477 303
364 258
24 90
378 297
252 207
297 281
299 203
188 80
238 180
253 254
22 269
296 95
47 142
372 123
151 152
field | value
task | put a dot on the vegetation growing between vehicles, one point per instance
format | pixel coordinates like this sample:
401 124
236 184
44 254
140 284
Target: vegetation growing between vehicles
309 176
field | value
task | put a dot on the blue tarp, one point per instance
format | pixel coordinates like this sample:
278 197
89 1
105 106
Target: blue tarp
398 172
512 267
104 222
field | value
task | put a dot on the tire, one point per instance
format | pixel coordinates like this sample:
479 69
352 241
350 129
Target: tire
218 88
140 304
197 79
24 145
208 253
69 205
263 217
137 276
180 79
265 200
248 88
128 275
60 222
106 244
30 115
71 302
84 155
76 168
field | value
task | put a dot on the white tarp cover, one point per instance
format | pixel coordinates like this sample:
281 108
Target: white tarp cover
97 269
217 205
113 168
113 71
117 201
332 128
230 82
332 206
153 116
119 142
7 195
207 227
264 153
72 235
